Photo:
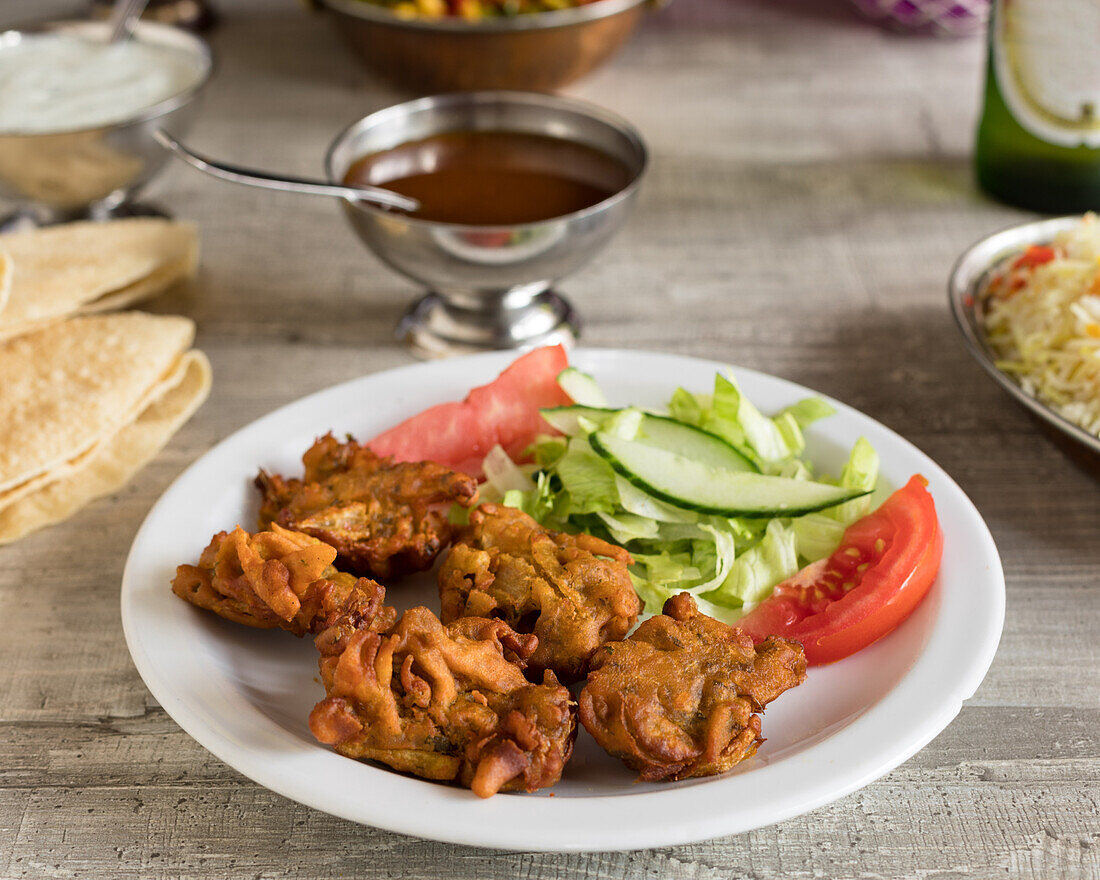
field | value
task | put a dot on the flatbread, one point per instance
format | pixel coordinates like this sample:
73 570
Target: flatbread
5 279
66 388
147 287
64 469
84 267
115 460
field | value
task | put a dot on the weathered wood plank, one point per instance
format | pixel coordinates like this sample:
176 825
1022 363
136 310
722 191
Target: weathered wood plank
1046 830
985 744
809 191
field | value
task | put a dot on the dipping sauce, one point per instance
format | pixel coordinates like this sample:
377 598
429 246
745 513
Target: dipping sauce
494 178
54 82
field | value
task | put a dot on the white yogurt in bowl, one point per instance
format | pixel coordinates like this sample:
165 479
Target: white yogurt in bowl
56 81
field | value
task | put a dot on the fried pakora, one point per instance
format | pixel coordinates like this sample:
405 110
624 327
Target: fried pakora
280 579
443 702
384 518
446 703
572 591
679 697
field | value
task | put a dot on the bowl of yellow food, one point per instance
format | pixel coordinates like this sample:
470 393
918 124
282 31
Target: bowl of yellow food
430 46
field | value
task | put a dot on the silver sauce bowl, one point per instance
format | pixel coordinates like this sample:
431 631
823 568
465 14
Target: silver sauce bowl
489 287
94 173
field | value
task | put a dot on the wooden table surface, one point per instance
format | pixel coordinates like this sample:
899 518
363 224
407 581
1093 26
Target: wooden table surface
811 185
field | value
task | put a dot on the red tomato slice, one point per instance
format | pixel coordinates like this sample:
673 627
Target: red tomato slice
1035 255
884 566
506 411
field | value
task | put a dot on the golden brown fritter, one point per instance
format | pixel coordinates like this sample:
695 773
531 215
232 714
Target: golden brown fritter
678 698
384 518
448 703
445 703
283 579
572 591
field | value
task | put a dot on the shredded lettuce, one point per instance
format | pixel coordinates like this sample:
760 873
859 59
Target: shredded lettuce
503 475
729 565
808 411
687 407
627 527
547 451
773 444
587 478
816 535
861 472
772 559
761 433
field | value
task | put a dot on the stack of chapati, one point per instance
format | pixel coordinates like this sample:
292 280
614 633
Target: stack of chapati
87 399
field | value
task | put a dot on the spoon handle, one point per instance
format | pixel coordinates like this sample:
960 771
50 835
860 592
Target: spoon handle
252 177
124 15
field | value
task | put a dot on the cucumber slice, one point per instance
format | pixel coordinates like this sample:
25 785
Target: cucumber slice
703 447
691 485
661 432
581 387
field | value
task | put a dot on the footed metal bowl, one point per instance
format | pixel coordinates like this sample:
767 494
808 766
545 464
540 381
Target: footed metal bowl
490 287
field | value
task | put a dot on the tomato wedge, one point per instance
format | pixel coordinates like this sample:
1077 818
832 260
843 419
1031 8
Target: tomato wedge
1035 255
884 566
506 411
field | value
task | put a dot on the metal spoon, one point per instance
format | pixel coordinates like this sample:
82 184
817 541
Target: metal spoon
251 177
124 15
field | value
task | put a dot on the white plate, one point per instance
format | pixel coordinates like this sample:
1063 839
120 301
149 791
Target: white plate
245 694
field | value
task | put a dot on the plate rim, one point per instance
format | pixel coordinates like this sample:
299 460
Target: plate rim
678 829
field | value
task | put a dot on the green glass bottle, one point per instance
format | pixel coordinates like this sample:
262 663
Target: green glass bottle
1039 138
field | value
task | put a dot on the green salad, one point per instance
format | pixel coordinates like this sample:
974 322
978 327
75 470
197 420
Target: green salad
710 496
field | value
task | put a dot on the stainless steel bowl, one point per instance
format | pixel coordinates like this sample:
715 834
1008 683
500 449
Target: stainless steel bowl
489 287
538 51
95 172
969 279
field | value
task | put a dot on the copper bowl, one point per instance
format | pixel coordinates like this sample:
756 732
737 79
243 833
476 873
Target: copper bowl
538 51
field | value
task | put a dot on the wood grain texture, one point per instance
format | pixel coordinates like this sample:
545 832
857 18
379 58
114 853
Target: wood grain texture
809 191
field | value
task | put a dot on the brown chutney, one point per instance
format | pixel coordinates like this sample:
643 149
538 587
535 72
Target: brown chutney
493 178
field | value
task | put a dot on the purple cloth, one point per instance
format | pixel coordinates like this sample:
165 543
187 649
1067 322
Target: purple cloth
941 17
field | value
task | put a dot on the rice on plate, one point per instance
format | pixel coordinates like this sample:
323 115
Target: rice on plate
1041 316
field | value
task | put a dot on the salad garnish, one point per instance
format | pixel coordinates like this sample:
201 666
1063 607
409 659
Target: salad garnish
710 496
